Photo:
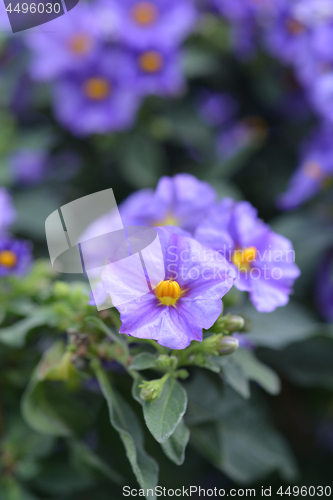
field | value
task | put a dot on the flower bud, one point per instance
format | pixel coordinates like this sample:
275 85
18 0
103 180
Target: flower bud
147 394
234 323
227 345
60 290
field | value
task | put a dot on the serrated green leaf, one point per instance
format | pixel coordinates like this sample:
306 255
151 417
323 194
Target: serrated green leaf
175 446
163 414
124 420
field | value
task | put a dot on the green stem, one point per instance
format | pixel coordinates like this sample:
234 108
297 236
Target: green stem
157 346
104 329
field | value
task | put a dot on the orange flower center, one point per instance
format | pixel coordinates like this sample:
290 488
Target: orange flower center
243 258
151 61
8 258
144 13
96 88
295 27
80 44
312 169
168 292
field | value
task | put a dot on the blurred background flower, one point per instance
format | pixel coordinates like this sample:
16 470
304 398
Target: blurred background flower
185 108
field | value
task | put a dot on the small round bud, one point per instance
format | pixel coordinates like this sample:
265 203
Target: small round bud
60 290
234 323
146 394
163 361
227 345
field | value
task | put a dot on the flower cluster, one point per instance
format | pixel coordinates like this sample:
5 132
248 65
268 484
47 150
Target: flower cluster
207 247
104 58
15 255
300 34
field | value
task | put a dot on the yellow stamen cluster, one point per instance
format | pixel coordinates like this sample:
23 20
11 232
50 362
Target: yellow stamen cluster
151 61
144 13
243 258
80 44
96 88
169 220
168 292
8 258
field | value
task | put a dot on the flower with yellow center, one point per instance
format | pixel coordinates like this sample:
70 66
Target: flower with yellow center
313 170
8 258
169 220
244 258
145 13
96 89
168 292
151 61
80 44
295 27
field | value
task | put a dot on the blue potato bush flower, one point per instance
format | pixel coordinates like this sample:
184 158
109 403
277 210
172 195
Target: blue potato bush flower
264 260
315 169
98 98
186 301
7 211
15 257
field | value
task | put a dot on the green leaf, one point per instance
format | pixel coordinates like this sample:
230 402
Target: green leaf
198 63
205 398
175 446
48 407
163 414
236 376
39 411
85 460
307 363
256 370
282 327
124 420
143 361
142 160
15 334
243 443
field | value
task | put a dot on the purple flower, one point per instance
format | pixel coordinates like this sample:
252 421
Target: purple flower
15 257
324 287
157 71
28 166
264 260
321 95
7 211
216 109
288 34
100 97
69 45
238 10
186 301
240 136
314 171
181 201
140 23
